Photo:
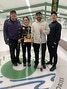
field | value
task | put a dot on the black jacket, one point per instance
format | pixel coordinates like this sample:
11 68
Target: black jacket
24 31
55 32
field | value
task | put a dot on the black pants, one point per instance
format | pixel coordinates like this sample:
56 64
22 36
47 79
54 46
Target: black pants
52 48
28 46
14 50
36 51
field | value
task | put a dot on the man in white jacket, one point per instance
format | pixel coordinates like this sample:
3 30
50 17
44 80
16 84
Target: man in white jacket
38 33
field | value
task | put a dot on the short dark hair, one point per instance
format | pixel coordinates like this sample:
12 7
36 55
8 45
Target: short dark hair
12 11
25 17
38 13
53 12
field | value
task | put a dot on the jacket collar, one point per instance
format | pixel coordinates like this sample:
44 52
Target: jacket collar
42 20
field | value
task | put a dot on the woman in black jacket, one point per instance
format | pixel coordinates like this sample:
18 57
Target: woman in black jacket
25 34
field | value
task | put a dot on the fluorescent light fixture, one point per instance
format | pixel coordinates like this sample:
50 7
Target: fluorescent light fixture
28 3
1 10
65 11
58 14
29 9
43 12
31 14
8 14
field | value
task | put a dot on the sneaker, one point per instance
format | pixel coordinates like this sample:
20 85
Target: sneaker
48 63
19 62
52 68
35 66
44 66
15 64
29 64
24 65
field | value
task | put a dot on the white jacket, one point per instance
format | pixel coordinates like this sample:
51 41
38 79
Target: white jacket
35 31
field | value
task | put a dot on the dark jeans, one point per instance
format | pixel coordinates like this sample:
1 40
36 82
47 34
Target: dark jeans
28 46
14 50
36 51
52 48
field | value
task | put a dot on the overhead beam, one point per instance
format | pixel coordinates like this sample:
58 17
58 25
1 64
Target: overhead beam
46 16
33 12
33 6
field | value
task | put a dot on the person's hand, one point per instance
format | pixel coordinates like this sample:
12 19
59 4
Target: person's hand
41 30
54 43
19 40
7 42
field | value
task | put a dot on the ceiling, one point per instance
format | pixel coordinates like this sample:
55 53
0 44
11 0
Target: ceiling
34 5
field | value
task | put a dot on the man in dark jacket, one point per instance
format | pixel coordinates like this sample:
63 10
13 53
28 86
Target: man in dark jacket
11 30
53 40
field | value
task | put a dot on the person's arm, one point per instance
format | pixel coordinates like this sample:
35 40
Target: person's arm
32 32
5 32
46 31
20 35
58 33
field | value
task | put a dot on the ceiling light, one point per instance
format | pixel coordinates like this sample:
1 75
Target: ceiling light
58 14
29 9
28 3
1 10
65 11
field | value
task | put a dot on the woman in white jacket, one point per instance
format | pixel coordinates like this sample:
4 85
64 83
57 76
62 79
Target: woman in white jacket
38 33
